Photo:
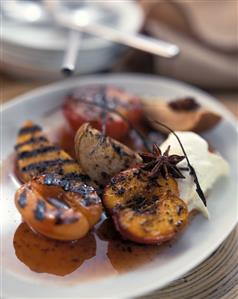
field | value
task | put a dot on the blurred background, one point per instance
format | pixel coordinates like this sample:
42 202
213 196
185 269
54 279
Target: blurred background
34 44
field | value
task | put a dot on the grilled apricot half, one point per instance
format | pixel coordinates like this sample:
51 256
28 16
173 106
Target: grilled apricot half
145 210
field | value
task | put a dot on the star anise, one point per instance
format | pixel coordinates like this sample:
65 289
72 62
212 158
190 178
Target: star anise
162 164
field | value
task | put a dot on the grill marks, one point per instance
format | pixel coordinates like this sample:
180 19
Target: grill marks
33 140
29 128
61 216
68 184
40 210
38 151
73 183
36 155
56 192
53 200
22 199
43 166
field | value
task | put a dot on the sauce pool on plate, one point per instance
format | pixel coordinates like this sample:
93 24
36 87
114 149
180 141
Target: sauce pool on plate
101 253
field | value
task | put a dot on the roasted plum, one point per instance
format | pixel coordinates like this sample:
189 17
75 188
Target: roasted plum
77 111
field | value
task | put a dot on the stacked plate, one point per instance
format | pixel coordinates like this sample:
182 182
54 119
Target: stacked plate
35 50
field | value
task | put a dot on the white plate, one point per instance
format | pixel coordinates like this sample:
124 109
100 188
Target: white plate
200 239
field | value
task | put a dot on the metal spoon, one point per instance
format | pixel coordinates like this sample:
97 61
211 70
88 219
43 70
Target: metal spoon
85 24
74 37
71 53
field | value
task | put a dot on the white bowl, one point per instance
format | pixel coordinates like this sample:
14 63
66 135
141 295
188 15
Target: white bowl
38 50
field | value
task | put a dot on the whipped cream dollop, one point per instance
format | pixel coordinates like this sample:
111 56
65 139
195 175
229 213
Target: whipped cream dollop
209 166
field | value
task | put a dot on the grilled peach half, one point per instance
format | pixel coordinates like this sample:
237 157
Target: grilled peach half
59 207
145 210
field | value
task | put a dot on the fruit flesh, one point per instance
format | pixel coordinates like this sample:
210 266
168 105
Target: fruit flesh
145 210
77 112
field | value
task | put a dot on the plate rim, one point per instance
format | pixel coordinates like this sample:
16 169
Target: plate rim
61 85
66 83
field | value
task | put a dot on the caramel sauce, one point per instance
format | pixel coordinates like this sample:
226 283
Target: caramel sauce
101 253
44 255
64 137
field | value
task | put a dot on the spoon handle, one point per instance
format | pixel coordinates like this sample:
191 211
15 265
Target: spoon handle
138 41
71 52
